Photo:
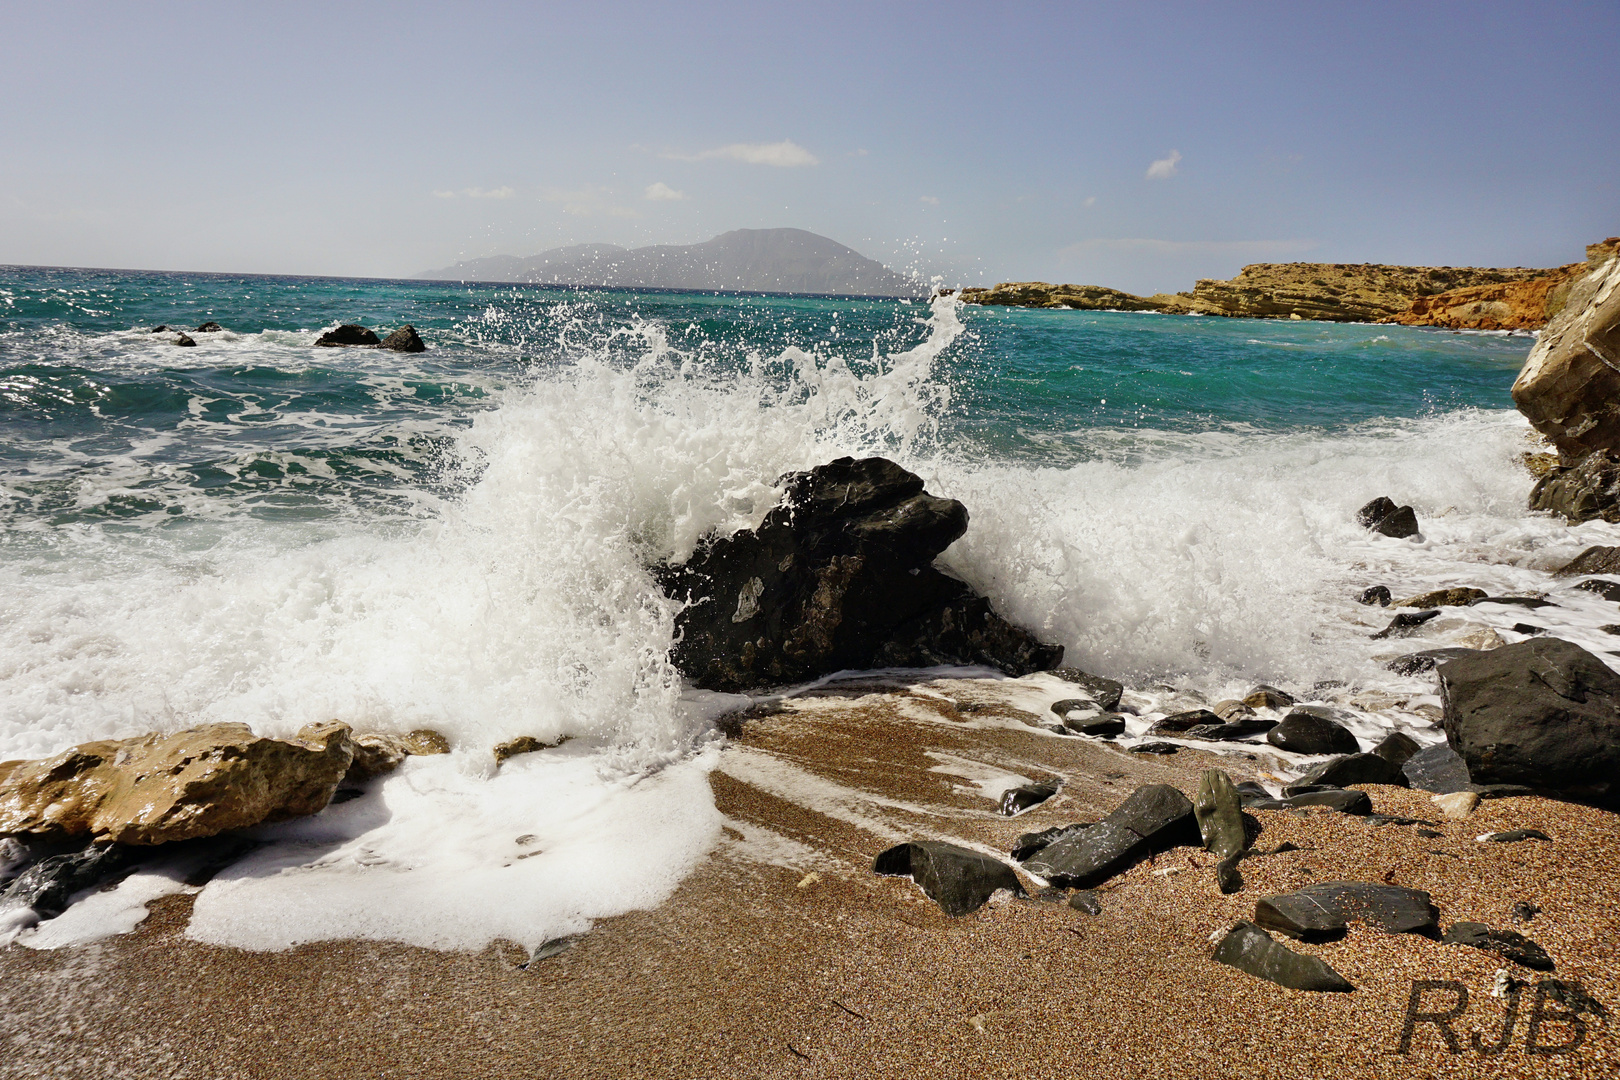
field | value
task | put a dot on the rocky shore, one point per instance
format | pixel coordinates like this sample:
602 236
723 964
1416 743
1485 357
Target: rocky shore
1453 297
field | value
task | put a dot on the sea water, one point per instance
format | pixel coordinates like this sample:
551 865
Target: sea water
258 530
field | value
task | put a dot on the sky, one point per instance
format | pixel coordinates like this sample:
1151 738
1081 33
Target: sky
1135 145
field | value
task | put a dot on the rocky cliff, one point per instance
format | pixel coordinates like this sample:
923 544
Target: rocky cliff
1457 297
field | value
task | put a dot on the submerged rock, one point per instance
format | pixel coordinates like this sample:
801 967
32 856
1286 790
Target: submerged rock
1508 944
348 334
1325 910
1378 594
1153 818
1543 713
404 340
185 341
839 575
47 886
955 878
1588 490
1419 662
1249 948
157 789
1383 516
209 327
1406 624
1443 598
1309 733
1594 560
1105 692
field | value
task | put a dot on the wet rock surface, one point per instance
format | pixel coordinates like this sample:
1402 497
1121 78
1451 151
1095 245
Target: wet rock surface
1567 388
1543 713
348 335
1016 800
1406 624
1594 560
1443 598
1437 768
1154 817
957 879
405 340
840 575
158 789
1105 692
1249 948
1309 733
1324 911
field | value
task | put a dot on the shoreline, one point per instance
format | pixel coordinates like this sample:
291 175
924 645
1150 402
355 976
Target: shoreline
784 955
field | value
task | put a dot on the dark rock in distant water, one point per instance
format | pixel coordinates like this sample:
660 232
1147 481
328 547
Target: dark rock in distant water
1307 733
1438 769
1016 800
209 327
955 878
404 340
1544 712
1154 817
1375 511
184 340
1609 590
1508 944
1250 949
839 575
1378 594
1352 769
1324 911
1397 748
1106 692
1405 624
348 334
159 329
1586 491
1419 662
1594 560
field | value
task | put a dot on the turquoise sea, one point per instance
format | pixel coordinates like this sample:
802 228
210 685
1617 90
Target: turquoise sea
258 530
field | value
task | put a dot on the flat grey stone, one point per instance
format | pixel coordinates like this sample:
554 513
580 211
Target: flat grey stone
1249 948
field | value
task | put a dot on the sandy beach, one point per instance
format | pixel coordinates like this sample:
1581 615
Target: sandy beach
784 955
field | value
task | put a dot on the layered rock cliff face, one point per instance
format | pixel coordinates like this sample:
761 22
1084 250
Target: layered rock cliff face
1456 297
1569 387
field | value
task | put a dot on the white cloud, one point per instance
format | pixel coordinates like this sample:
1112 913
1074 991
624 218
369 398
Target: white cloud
662 192
931 200
786 154
444 194
1165 167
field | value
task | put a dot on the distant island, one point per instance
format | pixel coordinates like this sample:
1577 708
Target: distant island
1454 297
743 260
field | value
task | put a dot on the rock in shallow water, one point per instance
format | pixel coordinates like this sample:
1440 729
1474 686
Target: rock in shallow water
1544 713
1325 910
1310 733
840 575
1594 560
1443 598
347 335
955 878
1405 624
1106 692
404 340
1249 948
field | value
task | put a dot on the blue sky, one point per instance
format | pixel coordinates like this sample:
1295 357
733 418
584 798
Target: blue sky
982 141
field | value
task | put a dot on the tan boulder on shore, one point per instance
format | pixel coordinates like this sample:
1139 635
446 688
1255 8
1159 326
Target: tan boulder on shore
154 789
1569 387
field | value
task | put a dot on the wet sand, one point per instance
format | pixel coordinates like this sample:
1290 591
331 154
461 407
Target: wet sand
784 955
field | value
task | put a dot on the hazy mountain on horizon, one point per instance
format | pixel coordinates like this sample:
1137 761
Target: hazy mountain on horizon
743 260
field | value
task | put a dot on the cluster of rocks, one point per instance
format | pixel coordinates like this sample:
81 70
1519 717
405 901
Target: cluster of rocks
96 812
405 339
840 575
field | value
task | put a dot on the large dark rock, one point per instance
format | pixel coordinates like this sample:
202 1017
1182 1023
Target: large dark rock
1609 590
955 878
1375 511
1030 843
209 327
1377 594
1438 769
1105 692
1594 560
1352 769
1176 723
184 341
839 575
1308 733
1508 944
405 339
1397 748
1153 818
1015 801
1383 516
1249 948
1324 911
1544 713
1569 388
348 334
